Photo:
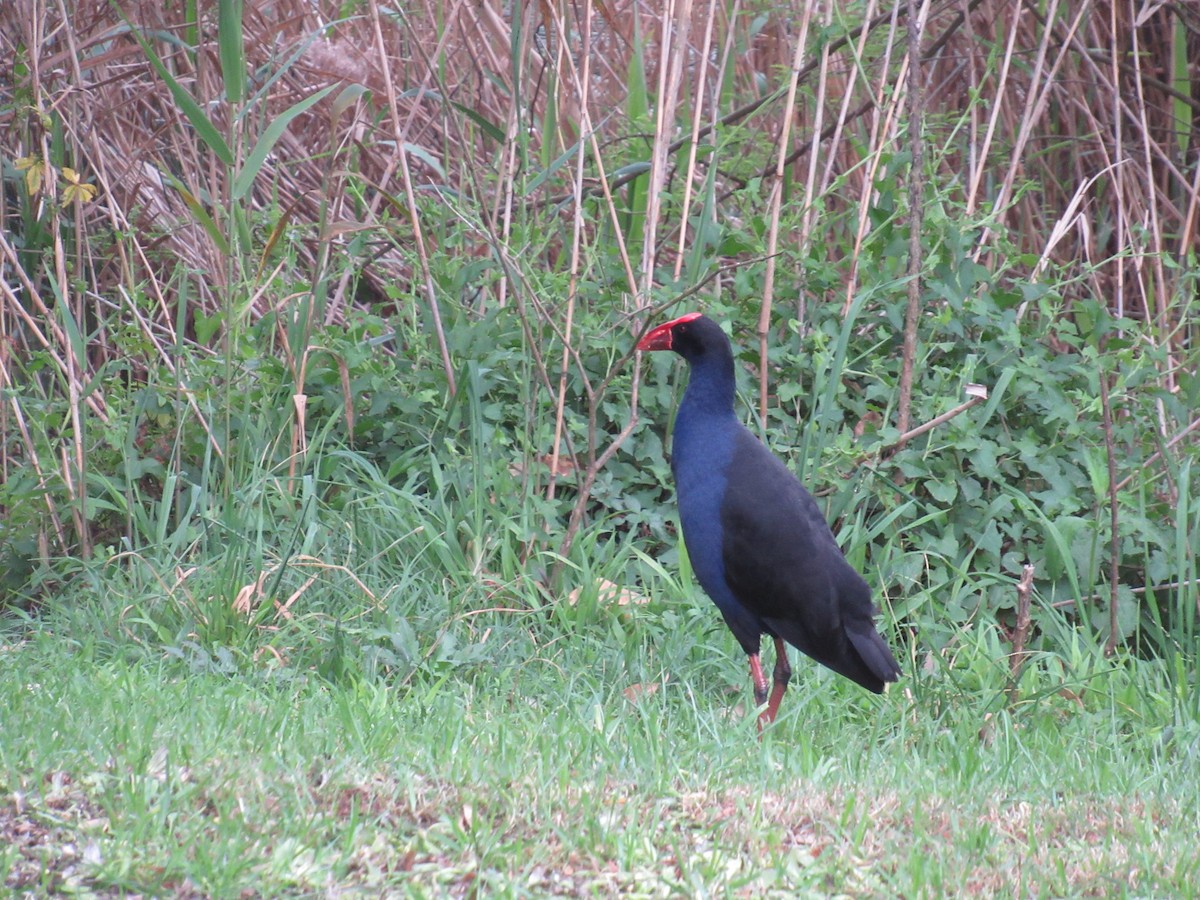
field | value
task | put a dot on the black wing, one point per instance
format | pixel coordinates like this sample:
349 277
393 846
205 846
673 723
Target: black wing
783 564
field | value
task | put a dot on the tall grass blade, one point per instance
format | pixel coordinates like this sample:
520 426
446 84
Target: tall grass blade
1181 82
207 131
1187 550
549 171
197 209
267 140
232 50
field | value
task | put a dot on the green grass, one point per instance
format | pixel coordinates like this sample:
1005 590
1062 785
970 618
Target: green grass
346 682
535 774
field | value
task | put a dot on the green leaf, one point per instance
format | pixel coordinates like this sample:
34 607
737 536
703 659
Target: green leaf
489 128
637 94
1128 612
994 397
426 157
557 164
270 136
985 463
70 326
943 492
347 98
206 326
197 208
232 49
1182 82
632 170
206 130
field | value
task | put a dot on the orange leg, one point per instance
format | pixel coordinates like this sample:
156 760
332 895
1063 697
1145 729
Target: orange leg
758 679
780 678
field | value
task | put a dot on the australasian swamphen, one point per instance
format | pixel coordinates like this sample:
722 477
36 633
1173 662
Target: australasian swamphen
757 540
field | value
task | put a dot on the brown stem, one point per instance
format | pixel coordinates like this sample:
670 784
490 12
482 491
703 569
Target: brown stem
1114 518
1021 632
916 209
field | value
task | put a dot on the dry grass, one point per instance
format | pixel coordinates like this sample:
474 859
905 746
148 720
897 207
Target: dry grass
856 842
1052 112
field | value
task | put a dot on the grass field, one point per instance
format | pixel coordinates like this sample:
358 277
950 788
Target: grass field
619 758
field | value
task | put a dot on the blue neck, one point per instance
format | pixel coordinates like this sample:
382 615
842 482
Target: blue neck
704 422
710 388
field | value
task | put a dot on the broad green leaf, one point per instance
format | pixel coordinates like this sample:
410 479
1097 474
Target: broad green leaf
557 164
349 96
426 157
630 171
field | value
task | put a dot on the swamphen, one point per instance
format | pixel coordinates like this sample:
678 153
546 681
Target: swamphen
757 540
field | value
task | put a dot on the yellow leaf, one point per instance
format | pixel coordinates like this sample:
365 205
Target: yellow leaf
76 190
82 193
34 170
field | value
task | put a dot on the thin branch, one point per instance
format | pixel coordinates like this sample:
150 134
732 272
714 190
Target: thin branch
1092 598
929 426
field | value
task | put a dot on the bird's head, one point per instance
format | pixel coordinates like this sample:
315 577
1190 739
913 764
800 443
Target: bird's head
692 336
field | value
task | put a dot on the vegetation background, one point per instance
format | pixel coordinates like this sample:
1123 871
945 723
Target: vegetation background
337 547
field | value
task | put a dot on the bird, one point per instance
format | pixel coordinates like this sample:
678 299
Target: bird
757 541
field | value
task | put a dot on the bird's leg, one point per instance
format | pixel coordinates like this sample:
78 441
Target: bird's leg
760 689
759 680
780 678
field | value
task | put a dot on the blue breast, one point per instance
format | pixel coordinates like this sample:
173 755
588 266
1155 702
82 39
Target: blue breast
702 450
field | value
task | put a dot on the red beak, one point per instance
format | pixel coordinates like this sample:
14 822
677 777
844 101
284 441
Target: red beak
660 338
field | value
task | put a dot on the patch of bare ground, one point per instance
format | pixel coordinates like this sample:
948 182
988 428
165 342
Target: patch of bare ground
54 833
